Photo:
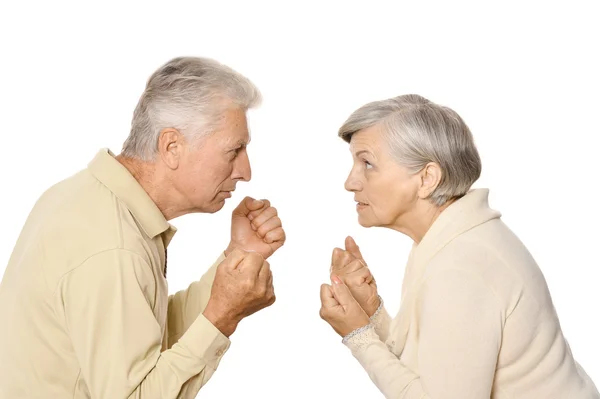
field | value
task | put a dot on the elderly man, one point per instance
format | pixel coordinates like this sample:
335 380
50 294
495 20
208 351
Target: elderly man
84 301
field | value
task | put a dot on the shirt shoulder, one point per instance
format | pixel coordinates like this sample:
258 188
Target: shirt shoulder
78 218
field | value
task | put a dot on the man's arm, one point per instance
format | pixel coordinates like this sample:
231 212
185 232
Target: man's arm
107 307
186 305
256 227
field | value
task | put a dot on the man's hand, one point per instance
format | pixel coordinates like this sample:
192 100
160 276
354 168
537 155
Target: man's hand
243 285
340 309
351 268
256 227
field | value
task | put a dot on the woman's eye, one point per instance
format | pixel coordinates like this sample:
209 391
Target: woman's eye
368 164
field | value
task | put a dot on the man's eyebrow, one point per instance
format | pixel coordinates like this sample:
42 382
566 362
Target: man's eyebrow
243 143
240 144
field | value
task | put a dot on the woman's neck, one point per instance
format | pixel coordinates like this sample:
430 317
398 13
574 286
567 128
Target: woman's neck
416 224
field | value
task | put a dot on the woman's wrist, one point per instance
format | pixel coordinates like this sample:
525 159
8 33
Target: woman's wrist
378 311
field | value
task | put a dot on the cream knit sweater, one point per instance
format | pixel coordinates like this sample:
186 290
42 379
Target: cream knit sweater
476 319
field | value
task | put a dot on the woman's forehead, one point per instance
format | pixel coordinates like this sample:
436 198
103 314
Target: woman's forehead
369 139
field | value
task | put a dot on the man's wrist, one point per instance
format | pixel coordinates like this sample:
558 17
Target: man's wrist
222 322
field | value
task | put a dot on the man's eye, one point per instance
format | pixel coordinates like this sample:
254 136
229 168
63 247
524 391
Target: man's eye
235 153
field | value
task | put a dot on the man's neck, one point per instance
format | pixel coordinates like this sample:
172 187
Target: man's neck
149 177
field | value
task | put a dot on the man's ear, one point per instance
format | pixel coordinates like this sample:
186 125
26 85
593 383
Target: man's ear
171 145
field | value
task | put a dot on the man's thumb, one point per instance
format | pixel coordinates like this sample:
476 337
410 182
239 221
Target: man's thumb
247 205
234 259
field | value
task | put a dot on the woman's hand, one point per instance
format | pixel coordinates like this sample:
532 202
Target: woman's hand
351 268
340 309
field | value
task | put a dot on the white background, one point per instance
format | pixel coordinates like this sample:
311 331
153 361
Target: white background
524 76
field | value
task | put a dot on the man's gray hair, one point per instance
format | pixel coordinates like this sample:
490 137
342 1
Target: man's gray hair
418 132
189 94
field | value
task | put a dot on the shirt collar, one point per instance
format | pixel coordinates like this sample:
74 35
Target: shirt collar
126 188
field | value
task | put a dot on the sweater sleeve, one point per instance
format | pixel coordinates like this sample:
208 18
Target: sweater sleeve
460 325
381 320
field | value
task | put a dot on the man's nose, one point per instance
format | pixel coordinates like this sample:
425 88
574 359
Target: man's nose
242 170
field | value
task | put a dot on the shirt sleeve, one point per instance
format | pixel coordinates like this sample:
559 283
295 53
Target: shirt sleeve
186 305
107 307
459 340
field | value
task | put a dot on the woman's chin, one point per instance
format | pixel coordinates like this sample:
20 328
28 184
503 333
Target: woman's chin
365 222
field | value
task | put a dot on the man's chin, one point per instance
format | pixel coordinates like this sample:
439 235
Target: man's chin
217 206
212 207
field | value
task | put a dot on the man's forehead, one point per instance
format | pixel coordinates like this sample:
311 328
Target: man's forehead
233 134
236 138
242 135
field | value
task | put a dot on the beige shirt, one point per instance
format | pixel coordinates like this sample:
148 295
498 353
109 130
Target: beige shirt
476 319
84 302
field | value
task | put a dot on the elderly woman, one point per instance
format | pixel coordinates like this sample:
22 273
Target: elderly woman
476 319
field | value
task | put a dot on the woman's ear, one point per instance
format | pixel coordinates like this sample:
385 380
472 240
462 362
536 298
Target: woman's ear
431 176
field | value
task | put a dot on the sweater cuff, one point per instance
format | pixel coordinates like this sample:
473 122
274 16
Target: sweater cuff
381 320
378 312
361 338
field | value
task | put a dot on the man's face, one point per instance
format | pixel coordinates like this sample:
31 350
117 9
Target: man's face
210 168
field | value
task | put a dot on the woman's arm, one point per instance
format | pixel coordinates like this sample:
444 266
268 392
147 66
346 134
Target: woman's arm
460 325
381 320
350 266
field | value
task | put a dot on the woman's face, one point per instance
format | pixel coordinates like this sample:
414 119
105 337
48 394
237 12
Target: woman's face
385 192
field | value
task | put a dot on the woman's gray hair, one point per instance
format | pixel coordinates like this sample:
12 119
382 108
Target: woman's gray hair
189 94
418 132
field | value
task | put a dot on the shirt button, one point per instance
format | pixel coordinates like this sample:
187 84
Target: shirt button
220 352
